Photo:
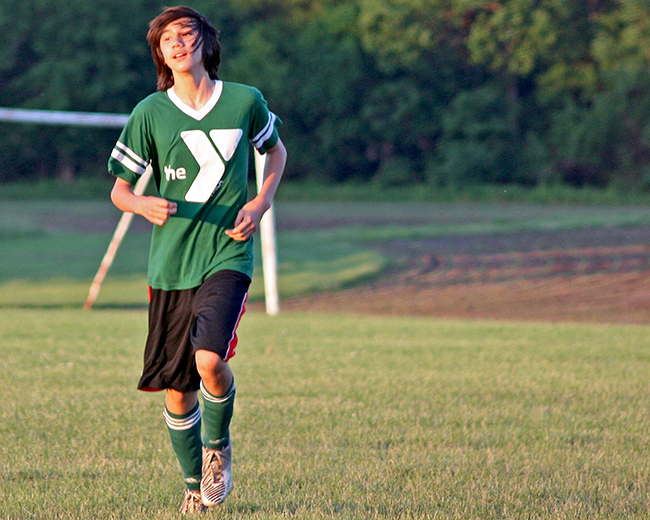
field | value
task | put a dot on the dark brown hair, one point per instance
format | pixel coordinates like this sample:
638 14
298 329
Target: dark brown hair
206 35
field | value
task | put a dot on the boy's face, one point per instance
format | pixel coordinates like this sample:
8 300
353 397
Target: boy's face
177 44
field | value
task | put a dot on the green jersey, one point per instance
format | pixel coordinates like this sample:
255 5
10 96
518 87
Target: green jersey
199 160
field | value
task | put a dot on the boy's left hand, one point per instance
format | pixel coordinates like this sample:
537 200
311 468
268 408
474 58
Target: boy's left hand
247 221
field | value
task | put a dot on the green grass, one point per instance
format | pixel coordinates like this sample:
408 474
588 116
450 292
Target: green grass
98 186
52 259
337 417
381 221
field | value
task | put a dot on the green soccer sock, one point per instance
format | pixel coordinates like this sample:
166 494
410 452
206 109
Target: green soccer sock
185 434
217 413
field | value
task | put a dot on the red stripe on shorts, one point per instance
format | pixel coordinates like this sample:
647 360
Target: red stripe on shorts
232 344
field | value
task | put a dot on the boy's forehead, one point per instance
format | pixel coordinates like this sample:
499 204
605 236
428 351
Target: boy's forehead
181 23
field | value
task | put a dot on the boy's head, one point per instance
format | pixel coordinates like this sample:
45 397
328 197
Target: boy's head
207 39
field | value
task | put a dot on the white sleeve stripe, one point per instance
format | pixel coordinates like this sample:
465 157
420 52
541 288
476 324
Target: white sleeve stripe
126 162
267 131
131 153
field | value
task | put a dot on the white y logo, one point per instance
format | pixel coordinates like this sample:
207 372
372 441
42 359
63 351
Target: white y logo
211 165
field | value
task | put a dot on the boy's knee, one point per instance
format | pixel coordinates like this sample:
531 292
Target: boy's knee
210 365
180 402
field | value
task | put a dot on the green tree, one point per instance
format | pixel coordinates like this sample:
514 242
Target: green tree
306 59
586 64
550 40
396 92
417 53
81 56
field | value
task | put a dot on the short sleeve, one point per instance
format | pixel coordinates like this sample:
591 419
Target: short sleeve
264 128
131 155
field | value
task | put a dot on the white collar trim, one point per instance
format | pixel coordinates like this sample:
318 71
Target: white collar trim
205 110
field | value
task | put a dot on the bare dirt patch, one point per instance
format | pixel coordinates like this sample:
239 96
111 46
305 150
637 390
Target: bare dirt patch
588 275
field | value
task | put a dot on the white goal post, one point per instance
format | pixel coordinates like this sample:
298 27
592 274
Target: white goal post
269 247
267 225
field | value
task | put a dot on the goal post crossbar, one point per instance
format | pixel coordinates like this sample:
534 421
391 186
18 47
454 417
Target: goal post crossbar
54 117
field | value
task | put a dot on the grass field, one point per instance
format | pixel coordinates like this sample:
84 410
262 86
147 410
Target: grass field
337 416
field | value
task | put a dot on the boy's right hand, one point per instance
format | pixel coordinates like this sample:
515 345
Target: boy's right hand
155 209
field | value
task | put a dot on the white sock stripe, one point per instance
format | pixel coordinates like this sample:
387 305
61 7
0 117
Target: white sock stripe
209 397
182 424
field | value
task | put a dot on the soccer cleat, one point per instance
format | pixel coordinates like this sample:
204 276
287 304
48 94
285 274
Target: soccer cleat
192 502
217 478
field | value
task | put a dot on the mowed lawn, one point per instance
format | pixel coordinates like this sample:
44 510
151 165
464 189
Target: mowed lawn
336 416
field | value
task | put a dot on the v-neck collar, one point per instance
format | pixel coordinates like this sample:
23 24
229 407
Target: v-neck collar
205 109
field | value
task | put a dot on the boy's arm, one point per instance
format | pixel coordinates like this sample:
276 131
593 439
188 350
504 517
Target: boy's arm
155 209
249 216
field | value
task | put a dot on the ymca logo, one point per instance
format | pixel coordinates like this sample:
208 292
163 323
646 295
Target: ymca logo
212 154
172 175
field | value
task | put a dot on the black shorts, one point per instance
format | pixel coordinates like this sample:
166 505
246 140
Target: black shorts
182 322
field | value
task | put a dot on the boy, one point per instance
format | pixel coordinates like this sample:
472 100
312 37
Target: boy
193 134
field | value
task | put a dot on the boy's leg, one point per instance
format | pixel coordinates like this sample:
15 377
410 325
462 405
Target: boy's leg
183 417
216 481
219 306
218 393
169 364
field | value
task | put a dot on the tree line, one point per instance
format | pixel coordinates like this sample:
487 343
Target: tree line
394 92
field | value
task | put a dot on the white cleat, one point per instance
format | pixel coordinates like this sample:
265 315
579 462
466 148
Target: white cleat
217 478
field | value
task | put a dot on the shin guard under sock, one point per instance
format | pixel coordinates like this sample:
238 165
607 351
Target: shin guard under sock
217 413
185 434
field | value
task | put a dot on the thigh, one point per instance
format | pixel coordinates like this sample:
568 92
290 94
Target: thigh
218 307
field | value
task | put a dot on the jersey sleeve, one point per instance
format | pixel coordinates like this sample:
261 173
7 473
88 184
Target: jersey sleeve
131 154
264 128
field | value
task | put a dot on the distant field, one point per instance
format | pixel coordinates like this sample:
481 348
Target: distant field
337 417
51 249
62 243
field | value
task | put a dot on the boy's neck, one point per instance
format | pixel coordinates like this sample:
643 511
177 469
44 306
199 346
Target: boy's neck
195 92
